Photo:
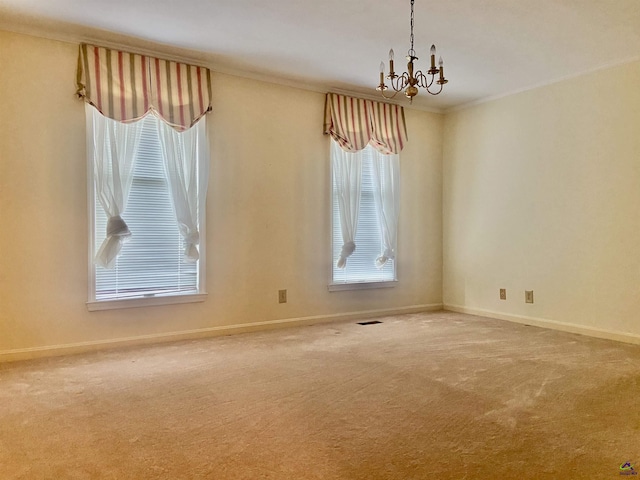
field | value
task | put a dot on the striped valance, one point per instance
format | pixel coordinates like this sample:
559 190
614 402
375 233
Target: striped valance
125 86
354 123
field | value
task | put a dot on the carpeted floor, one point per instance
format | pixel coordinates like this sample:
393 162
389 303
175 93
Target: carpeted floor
423 396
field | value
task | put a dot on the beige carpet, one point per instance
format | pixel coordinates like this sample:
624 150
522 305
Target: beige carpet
424 396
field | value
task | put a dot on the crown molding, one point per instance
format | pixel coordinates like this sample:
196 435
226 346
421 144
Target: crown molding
547 83
72 33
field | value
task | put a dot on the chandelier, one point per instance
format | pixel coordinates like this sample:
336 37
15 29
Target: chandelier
410 80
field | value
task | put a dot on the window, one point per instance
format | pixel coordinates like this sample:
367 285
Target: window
151 265
360 268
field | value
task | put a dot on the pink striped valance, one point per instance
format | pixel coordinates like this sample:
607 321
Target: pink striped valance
125 86
354 123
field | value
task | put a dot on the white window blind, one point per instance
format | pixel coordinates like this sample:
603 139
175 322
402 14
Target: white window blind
152 261
361 267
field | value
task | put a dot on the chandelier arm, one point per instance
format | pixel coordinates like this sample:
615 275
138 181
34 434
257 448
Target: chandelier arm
435 93
400 82
423 79
392 96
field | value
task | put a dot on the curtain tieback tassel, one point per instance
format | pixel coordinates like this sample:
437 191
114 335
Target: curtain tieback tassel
388 254
347 249
117 227
191 254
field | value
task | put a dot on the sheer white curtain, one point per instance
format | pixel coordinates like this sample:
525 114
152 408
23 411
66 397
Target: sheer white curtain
113 146
386 194
347 172
186 164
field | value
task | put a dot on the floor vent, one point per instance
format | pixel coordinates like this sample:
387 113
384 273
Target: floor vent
372 322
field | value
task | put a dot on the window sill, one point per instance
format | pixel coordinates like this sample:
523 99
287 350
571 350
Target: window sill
337 287
97 305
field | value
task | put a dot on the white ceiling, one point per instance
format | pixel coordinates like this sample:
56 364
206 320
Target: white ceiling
490 47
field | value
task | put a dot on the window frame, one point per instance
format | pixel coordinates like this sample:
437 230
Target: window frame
359 285
110 304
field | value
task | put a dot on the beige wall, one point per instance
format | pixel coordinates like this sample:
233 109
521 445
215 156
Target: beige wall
267 217
542 192
536 191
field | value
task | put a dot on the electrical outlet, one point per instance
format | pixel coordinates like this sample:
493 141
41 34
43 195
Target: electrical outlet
503 294
528 296
282 296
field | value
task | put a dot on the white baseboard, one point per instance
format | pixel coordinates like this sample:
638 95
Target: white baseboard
552 324
91 346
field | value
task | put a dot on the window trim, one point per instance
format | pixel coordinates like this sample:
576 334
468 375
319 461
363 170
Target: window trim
99 305
120 303
339 287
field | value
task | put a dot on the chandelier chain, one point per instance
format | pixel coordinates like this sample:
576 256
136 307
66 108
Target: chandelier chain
411 52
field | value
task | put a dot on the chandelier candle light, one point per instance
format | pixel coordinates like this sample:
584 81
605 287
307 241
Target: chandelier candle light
410 81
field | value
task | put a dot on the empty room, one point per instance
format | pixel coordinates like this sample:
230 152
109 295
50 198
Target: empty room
319 240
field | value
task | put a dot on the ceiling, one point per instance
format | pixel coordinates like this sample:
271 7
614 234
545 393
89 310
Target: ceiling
490 47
